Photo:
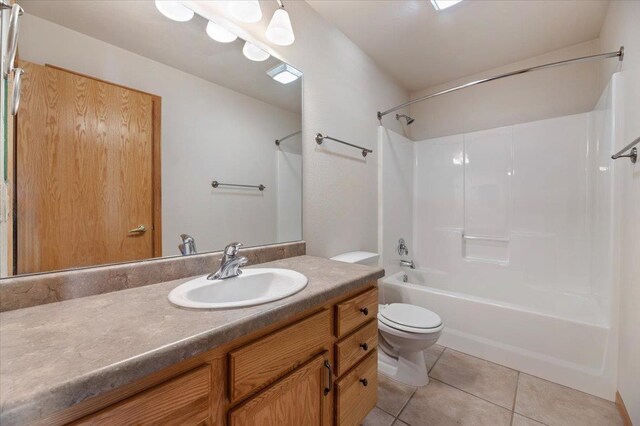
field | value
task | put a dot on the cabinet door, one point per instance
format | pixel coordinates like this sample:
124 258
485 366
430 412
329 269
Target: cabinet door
297 399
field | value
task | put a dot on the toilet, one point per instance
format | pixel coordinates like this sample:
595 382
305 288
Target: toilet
404 332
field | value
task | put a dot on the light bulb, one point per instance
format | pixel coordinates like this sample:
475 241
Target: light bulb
253 52
174 10
279 30
219 33
245 10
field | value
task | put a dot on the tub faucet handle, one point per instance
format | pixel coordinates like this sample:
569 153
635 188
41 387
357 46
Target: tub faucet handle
403 250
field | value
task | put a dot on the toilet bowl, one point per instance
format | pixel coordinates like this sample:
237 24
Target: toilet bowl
404 332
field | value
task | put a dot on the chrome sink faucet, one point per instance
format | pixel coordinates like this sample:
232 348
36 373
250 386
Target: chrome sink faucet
230 264
188 245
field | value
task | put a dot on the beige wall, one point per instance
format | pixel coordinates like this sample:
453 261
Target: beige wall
544 94
343 90
622 27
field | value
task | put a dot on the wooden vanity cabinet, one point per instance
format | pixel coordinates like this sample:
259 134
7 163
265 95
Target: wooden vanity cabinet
318 368
297 399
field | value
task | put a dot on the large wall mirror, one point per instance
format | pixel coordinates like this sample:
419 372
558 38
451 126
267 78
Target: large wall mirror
126 119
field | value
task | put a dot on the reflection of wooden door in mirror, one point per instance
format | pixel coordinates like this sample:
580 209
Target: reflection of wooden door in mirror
87 172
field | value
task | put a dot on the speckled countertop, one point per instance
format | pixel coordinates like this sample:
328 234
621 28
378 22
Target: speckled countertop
56 355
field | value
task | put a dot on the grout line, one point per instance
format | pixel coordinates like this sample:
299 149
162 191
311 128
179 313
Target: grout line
406 403
384 411
439 356
486 360
469 393
527 417
515 397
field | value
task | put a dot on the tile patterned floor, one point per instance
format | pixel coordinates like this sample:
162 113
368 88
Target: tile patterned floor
465 390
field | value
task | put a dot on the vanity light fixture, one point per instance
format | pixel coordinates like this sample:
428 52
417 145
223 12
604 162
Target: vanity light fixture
284 73
220 33
175 10
253 52
245 10
280 31
443 4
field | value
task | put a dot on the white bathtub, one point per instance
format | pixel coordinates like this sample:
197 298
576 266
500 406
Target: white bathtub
561 337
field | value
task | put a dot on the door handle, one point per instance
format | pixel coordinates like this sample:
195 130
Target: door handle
327 365
139 230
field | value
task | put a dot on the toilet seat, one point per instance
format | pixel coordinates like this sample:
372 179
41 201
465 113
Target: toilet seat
409 318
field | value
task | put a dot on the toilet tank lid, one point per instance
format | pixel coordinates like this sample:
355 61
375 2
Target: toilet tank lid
356 257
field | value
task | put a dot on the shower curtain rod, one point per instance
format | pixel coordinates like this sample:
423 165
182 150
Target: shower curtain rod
617 54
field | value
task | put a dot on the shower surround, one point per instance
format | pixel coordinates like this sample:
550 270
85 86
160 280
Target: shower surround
511 230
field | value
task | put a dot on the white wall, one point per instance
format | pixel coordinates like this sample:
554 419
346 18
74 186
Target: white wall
621 27
289 181
208 133
544 94
343 90
527 184
396 177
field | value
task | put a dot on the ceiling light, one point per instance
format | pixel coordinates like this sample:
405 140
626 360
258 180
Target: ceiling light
175 10
253 52
245 10
443 4
284 73
220 33
279 30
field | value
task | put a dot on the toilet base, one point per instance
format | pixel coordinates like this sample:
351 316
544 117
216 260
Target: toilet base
408 368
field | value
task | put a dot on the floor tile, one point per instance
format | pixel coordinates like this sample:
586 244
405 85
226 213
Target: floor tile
400 423
442 405
519 420
484 379
555 404
377 417
392 395
432 354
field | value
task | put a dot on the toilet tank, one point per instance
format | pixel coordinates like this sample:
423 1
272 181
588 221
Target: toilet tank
360 257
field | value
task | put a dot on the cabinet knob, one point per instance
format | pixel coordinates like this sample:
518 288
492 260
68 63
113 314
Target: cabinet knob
364 382
364 346
365 311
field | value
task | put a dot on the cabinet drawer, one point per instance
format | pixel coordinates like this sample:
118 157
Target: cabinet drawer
356 346
356 393
261 362
180 401
354 312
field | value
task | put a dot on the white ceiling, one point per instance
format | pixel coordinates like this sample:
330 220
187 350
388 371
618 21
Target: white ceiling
420 47
137 26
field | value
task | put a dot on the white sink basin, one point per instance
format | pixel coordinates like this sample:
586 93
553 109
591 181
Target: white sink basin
254 287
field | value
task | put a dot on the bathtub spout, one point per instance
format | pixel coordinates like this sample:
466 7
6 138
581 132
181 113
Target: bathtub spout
408 263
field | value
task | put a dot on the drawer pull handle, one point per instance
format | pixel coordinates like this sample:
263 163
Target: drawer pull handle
327 365
364 346
364 382
365 311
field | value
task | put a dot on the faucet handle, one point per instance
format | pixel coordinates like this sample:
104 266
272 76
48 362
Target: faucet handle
232 249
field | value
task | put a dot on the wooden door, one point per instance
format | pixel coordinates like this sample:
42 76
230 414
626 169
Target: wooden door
86 170
297 399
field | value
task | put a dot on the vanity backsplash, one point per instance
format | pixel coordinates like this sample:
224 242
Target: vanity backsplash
32 290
